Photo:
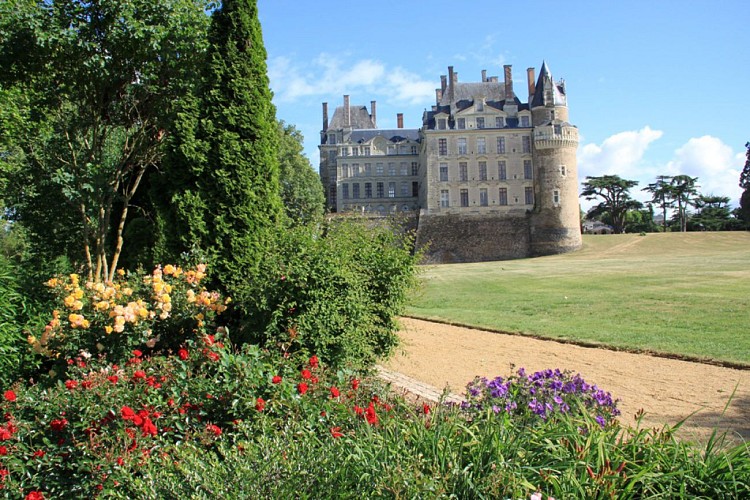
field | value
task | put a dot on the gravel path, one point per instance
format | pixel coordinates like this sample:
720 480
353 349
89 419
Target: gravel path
668 390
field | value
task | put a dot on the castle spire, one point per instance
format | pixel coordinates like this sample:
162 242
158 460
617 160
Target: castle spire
547 92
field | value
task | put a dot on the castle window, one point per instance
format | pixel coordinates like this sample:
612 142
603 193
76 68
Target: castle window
367 151
344 151
344 170
501 145
331 138
442 147
462 146
483 199
415 188
414 168
404 168
502 171
355 190
380 191
529 195
556 198
345 191
527 170
443 172
526 144
525 121
413 150
480 122
464 197
332 155
461 123
480 106
378 169
391 190
503 196
368 189
558 129
355 151
463 171
442 124
482 170
444 198
391 150
563 171
404 189
355 169
368 169
481 146
499 122
392 168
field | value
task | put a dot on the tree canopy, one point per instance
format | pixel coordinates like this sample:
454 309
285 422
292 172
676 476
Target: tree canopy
88 91
614 193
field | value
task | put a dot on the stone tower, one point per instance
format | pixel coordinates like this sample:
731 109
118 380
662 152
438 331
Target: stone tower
555 220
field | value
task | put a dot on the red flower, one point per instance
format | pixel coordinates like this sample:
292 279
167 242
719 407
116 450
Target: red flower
209 339
39 454
127 413
5 434
35 495
148 427
335 392
370 415
425 408
3 451
71 384
302 388
113 379
306 374
359 410
276 379
183 354
260 404
336 432
58 425
213 356
314 361
355 384
139 374
10 396
214 429
137 353
87 384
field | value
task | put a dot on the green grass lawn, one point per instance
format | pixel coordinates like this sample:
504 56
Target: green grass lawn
677 293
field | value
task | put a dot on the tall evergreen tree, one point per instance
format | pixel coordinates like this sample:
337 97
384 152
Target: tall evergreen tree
225 198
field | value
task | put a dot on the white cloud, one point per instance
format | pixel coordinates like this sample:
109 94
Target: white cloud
620 154
329 74
713 162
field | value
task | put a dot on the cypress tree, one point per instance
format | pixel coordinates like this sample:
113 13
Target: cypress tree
224 174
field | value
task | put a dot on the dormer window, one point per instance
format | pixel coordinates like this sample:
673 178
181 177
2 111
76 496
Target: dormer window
525 121
499 122
480 122
461 123
442 124
331 138
480 106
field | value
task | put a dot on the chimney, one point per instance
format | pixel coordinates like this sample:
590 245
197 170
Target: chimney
451 82
373 116
438 95
400 120
530 78
484 75
347 115
509 95
443 83
325 116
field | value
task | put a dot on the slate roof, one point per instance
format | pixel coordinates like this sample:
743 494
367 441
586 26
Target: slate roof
359 116
557 92
492 91
393 135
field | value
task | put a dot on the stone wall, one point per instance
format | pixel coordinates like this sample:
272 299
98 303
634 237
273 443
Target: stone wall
455 238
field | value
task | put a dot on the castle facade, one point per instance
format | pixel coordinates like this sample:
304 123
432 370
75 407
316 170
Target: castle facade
488 176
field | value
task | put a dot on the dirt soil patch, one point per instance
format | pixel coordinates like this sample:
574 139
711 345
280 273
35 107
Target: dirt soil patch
668 390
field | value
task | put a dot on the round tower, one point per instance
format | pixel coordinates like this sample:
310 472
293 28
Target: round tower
555 221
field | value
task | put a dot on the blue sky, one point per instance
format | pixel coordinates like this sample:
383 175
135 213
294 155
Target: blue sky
655 87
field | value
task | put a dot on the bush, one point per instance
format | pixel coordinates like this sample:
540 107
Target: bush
334 291
14 314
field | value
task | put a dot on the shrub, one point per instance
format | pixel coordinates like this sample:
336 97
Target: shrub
14 312
334 291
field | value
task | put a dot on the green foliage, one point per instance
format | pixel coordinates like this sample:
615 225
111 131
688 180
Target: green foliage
90 89
222 181
14 313
334 291
615 195
745 174
301 189
685 193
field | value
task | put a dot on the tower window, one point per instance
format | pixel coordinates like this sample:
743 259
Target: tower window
464 197
563 171
529 195
444 198
556 198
